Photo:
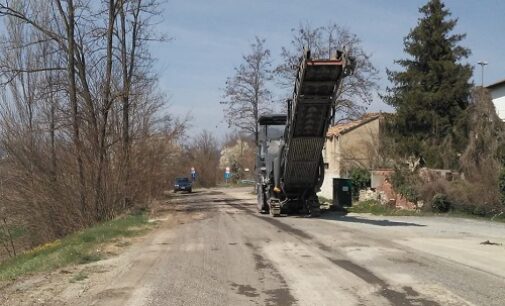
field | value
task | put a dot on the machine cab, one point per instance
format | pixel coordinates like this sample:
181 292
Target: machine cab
270 140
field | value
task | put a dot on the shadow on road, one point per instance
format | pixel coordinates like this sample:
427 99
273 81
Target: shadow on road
352 219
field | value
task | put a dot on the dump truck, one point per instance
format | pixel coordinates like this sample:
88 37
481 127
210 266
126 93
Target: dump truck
289 163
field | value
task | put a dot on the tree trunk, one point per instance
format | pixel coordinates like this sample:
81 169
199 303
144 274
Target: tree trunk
102 211
72 88
126 104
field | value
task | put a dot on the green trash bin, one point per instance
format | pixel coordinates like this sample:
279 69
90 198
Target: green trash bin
342 192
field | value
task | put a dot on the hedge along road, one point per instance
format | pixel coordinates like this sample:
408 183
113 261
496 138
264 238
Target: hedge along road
212 248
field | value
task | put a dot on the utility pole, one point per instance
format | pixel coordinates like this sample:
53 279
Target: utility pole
482 64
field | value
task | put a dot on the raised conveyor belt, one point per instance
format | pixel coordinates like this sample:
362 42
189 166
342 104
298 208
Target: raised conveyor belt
315 89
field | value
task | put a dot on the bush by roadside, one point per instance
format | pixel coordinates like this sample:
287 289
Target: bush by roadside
360 178
474 148
376 208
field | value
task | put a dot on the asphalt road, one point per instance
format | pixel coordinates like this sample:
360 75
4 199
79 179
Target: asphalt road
220 251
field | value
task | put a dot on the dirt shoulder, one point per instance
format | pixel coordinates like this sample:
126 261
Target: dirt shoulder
72 284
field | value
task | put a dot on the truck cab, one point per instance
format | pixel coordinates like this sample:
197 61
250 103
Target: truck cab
270 144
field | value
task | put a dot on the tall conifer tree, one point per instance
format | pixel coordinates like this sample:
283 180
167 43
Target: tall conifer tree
432 90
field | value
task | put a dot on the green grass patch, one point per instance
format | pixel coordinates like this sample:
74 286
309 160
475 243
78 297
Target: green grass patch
78 248
375 208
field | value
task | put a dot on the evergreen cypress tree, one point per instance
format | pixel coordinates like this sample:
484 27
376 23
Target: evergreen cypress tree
432 92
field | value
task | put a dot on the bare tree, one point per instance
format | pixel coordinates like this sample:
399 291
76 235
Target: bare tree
133 35
357 90
73 124
204 156
246 95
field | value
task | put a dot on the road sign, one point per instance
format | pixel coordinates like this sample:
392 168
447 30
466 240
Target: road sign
227 174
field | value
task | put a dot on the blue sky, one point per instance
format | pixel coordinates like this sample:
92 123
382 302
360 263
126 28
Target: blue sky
210 37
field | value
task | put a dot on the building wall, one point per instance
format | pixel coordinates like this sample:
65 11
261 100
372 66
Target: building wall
358 147
498 96
331 157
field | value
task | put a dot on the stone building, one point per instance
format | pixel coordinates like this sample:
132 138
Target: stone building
350 144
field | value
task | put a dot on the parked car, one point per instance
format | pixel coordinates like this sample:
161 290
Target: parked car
183 184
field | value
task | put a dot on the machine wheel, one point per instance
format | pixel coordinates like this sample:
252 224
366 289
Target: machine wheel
313 207
262 205
315 212
275 215
275 208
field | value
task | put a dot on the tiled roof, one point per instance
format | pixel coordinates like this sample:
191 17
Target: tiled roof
345 127
496 84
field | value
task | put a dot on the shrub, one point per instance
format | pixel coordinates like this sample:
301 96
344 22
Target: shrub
478 197
440 203
360 178
406 183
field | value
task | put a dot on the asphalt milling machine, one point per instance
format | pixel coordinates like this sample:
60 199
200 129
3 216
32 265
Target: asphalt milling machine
289 163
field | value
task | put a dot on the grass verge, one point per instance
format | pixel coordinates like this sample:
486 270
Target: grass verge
375 208
77 248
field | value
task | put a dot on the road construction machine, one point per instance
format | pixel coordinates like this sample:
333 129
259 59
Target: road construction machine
289 163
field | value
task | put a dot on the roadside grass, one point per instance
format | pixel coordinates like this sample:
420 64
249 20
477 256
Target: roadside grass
375 208
78 248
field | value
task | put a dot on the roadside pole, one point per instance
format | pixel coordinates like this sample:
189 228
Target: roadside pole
193 174
227 175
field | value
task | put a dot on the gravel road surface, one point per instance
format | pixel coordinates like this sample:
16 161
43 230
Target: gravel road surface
213 248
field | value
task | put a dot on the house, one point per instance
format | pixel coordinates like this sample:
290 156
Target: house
350 144
497 91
